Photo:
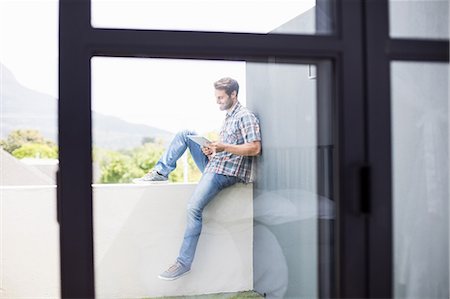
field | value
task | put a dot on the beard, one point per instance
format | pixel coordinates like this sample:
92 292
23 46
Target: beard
227 105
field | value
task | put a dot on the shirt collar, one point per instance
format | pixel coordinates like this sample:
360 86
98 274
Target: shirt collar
234 110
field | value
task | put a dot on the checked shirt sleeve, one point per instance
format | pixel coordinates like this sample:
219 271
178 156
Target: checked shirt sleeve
249 126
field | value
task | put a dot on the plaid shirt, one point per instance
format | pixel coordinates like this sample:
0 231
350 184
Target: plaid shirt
240 126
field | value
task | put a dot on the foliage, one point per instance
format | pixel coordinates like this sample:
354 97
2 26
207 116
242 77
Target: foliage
123 166
146 156
18 138
193 171
35 150
117 168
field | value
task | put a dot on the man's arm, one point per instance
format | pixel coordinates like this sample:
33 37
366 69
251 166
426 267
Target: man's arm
247 149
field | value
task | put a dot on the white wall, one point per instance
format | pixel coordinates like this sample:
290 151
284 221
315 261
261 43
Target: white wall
137 234
29 242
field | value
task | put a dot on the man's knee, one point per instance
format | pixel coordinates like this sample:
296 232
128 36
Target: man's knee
194 212
185 133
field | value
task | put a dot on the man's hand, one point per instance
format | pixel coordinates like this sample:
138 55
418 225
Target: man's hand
247 149
216 147
212 148
207 150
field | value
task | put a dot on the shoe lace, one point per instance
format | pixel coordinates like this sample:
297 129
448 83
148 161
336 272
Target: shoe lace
174 267
149 174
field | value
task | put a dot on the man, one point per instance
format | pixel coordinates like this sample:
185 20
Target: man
222 163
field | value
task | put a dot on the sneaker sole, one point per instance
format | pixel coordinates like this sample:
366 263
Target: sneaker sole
173 278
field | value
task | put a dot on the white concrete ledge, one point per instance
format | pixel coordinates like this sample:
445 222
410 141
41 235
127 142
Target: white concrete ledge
137 234
139 229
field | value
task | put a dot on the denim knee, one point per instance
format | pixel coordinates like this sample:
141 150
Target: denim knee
184 133
194 213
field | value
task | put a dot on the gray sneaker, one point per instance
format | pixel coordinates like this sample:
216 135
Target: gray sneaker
152 177
174 272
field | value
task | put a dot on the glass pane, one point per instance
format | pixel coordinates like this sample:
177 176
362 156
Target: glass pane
293 204
420 147
29 246
266 16
269 230
419 19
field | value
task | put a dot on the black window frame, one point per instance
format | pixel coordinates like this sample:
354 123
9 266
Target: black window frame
361 52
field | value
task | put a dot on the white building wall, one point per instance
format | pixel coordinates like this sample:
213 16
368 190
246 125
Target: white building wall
137 234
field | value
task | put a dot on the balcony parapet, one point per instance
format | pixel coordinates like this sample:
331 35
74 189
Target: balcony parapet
137 234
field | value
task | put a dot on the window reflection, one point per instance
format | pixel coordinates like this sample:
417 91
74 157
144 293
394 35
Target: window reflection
267 16
292 198
420 139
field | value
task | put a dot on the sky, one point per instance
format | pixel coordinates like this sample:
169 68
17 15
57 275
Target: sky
165 93
169 94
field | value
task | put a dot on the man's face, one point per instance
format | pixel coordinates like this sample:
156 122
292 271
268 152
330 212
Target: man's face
225 101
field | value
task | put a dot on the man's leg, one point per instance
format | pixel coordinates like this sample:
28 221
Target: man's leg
168 161
177 147
210 184
208 187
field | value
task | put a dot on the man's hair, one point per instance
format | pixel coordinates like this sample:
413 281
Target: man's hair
227 84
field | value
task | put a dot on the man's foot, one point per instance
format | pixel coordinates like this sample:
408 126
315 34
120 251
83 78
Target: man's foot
174 272
152 177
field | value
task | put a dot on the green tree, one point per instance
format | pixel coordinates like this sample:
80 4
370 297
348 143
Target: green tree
146 156
35 150
118 168
124 165
194 173
17 138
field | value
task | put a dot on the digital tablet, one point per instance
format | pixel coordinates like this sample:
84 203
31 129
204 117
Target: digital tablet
202 141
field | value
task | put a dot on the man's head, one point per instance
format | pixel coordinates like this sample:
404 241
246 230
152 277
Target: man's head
226 93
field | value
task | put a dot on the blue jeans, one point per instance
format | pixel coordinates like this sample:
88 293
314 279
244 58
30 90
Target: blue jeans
210 184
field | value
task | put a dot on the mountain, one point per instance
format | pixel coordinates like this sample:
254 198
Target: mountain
23 108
